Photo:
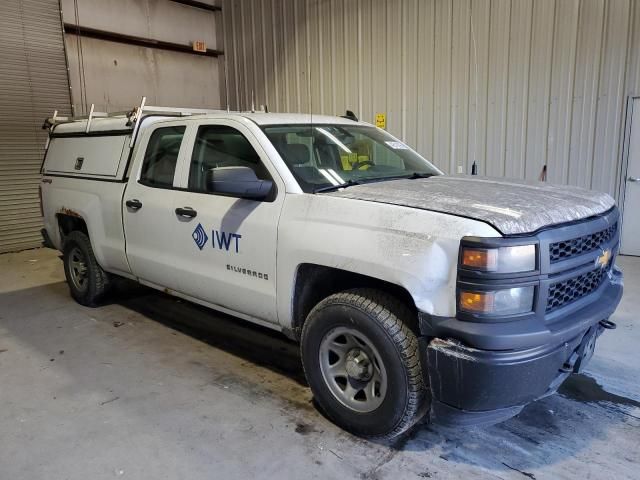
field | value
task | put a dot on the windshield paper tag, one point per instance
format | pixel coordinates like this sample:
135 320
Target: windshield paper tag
397 145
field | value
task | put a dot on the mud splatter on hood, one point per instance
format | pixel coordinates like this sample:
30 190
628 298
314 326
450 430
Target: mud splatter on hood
511 206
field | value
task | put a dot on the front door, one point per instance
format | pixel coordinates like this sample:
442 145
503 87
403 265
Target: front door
228 245
631 216
149 209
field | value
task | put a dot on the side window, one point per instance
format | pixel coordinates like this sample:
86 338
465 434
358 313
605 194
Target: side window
159 164
218 146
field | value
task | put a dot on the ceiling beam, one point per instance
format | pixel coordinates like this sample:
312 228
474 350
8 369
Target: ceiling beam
201 5
138 41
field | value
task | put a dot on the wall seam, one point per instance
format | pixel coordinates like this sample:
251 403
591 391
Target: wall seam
601 62
550 83
567 173
525 113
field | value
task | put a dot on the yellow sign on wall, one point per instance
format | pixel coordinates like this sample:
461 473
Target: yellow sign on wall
381 120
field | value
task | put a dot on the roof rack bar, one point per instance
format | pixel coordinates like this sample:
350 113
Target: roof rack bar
89 119
181 110
137 113
133 115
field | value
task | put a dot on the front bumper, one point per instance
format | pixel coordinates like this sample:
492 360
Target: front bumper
472 384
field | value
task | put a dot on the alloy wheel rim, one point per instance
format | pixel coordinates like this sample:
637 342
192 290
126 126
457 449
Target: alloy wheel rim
78 269
353 370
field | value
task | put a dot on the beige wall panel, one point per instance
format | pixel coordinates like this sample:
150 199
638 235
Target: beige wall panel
118 75
157 19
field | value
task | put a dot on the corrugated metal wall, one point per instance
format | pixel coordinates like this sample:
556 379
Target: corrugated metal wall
511 84
33 83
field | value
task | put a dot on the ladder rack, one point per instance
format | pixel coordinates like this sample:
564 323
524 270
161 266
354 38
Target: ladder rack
133 116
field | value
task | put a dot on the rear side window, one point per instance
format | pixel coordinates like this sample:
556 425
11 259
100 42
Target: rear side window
159 164
220 146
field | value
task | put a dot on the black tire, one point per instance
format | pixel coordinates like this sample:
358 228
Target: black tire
384 321
94 288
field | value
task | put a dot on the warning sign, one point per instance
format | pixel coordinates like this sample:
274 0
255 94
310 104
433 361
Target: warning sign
381 120
199 46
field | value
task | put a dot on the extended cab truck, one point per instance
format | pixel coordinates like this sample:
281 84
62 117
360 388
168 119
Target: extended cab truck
411 292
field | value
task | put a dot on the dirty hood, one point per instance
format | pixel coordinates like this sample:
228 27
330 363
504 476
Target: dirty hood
510 206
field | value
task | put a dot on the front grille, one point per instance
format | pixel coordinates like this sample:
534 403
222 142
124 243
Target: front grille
577 246
567 291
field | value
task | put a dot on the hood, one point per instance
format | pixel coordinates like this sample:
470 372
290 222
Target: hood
511 206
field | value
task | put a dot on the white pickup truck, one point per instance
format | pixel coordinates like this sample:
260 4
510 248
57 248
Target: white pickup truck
411 292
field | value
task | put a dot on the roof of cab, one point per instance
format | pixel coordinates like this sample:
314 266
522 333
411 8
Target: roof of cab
261 118
297 118
121 123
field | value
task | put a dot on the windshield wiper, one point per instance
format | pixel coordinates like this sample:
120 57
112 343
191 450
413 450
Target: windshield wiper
416 175
331 188
350 182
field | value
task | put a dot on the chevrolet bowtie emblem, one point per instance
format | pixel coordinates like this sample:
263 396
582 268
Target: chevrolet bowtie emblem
603 260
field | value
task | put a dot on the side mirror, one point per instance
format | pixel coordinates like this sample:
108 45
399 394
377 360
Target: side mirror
238 181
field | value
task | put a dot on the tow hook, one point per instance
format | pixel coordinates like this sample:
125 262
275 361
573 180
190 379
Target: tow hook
569 364
608 324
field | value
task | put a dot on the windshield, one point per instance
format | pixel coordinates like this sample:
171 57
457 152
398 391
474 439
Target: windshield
326 156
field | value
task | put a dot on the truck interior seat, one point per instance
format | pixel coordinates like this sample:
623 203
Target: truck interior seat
328 155
296 154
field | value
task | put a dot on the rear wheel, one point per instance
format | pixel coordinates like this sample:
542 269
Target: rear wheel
88 282
361 361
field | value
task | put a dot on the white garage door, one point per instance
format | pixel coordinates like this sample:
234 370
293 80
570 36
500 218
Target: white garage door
33 83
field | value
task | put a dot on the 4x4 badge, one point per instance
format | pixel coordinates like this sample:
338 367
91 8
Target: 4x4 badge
200 236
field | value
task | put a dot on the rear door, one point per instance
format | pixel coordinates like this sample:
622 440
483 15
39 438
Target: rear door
228 246
150 221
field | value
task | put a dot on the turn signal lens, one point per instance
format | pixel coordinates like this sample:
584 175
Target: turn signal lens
519 258
480 259
506 301
476 302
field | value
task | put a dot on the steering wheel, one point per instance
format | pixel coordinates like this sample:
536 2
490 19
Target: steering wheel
364 163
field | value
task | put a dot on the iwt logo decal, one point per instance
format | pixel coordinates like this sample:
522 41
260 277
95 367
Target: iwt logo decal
200 236
227 241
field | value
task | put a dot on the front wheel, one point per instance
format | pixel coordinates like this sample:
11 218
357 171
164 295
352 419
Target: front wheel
88 282
361 361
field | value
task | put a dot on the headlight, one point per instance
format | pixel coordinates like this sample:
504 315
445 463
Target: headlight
508 301
520 258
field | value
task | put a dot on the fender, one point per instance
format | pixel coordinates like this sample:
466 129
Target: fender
98 204
416 250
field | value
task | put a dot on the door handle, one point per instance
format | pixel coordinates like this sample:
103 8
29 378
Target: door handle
186 212
634 179
134 204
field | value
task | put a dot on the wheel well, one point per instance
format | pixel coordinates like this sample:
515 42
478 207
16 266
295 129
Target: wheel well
68 223
315 282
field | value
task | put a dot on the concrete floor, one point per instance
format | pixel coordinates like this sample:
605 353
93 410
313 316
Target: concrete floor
149 387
